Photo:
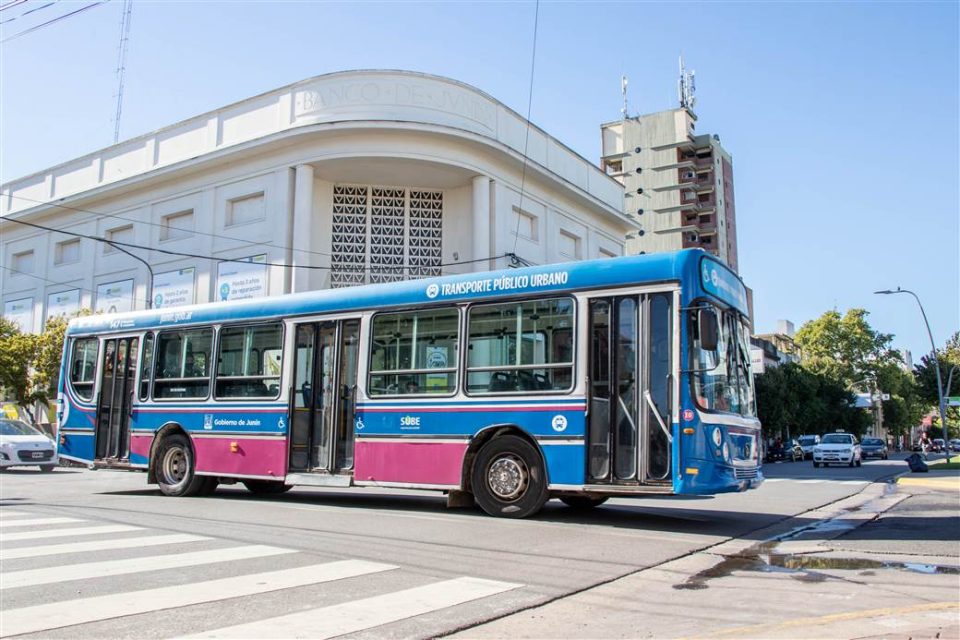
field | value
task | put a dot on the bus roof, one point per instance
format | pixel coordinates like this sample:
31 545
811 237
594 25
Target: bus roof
557 278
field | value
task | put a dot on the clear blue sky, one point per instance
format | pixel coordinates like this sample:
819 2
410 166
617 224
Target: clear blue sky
842 118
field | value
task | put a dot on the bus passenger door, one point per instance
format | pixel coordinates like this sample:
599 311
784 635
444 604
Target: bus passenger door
322 403
628 431
115 402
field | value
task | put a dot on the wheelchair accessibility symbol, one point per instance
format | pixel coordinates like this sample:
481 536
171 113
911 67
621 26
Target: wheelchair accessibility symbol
359 424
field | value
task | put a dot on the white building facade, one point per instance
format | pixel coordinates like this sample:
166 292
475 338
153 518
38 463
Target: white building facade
342 179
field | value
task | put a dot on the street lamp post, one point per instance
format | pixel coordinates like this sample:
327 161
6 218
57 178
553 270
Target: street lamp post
146 264
936 363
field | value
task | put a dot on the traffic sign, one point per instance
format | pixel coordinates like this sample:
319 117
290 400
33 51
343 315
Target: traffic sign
953 401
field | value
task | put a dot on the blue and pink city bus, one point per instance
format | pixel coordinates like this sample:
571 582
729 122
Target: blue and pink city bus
616 377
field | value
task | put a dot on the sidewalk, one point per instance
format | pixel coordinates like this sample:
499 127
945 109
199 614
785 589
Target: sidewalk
882 564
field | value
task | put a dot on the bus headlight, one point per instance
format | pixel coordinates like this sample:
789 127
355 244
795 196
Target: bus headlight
726 451
717 436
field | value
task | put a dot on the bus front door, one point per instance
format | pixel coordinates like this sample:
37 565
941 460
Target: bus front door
115 402
323 396
628 431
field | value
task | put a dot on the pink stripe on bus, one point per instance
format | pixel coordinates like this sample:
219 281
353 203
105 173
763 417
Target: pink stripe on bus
413 462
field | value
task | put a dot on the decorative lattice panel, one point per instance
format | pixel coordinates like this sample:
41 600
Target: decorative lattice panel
386 234
349 236
426 227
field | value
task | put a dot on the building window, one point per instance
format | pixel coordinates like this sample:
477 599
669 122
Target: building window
249 208
177 226
385 234
521 346
414 353
22 262
606 253
118 235
569 246
524 225
67 252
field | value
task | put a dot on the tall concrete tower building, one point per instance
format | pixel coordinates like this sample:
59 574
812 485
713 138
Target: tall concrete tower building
678 184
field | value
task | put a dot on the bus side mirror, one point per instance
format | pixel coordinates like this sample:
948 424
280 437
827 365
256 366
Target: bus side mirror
708 329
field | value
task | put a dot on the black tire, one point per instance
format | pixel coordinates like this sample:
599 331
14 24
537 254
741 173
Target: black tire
175 469
816 465
508 478
47 468
583 502
266 487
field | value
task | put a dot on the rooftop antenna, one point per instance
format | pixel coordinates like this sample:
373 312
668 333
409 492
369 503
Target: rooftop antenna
122 63
686 87
623 90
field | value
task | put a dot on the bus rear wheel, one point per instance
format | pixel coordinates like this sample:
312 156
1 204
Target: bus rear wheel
508 478
266 487
175 470
583 502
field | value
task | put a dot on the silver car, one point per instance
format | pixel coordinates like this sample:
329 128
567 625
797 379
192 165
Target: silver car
23 446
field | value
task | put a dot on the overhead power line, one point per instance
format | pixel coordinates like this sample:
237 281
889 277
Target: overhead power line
122 63
54 20
98 215
526 139
29 11
57 283
10 5
182 254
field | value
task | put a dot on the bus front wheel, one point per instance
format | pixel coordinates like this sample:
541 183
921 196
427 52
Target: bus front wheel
175 469
509 479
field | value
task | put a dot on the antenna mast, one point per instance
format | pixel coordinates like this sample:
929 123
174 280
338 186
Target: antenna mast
121 64
623 90
686 87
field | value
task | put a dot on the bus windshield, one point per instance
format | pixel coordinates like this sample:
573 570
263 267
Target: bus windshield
722 380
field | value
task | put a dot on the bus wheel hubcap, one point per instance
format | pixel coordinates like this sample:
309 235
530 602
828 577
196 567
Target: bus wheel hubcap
507 477
174 466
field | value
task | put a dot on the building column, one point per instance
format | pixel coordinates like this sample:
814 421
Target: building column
481 222
302 227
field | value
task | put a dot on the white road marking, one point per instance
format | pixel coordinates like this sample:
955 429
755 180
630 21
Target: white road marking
37 522
358 615
44 617
6 513
33 577
67 533
97 545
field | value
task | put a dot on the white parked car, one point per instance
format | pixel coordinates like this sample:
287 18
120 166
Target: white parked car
23 446
837 448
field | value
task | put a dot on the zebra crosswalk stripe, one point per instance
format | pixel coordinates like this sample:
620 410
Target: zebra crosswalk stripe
97 545
45 617
358 615
67 533
37 522
33 577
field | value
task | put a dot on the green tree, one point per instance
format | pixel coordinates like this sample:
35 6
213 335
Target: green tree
845 348
16 355
794 400
926 379
30 364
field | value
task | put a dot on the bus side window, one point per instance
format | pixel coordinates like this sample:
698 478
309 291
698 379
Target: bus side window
146 367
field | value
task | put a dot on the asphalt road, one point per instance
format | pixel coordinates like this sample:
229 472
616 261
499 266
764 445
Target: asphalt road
325 563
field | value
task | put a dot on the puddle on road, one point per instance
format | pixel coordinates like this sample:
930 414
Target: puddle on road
803 567
763 558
